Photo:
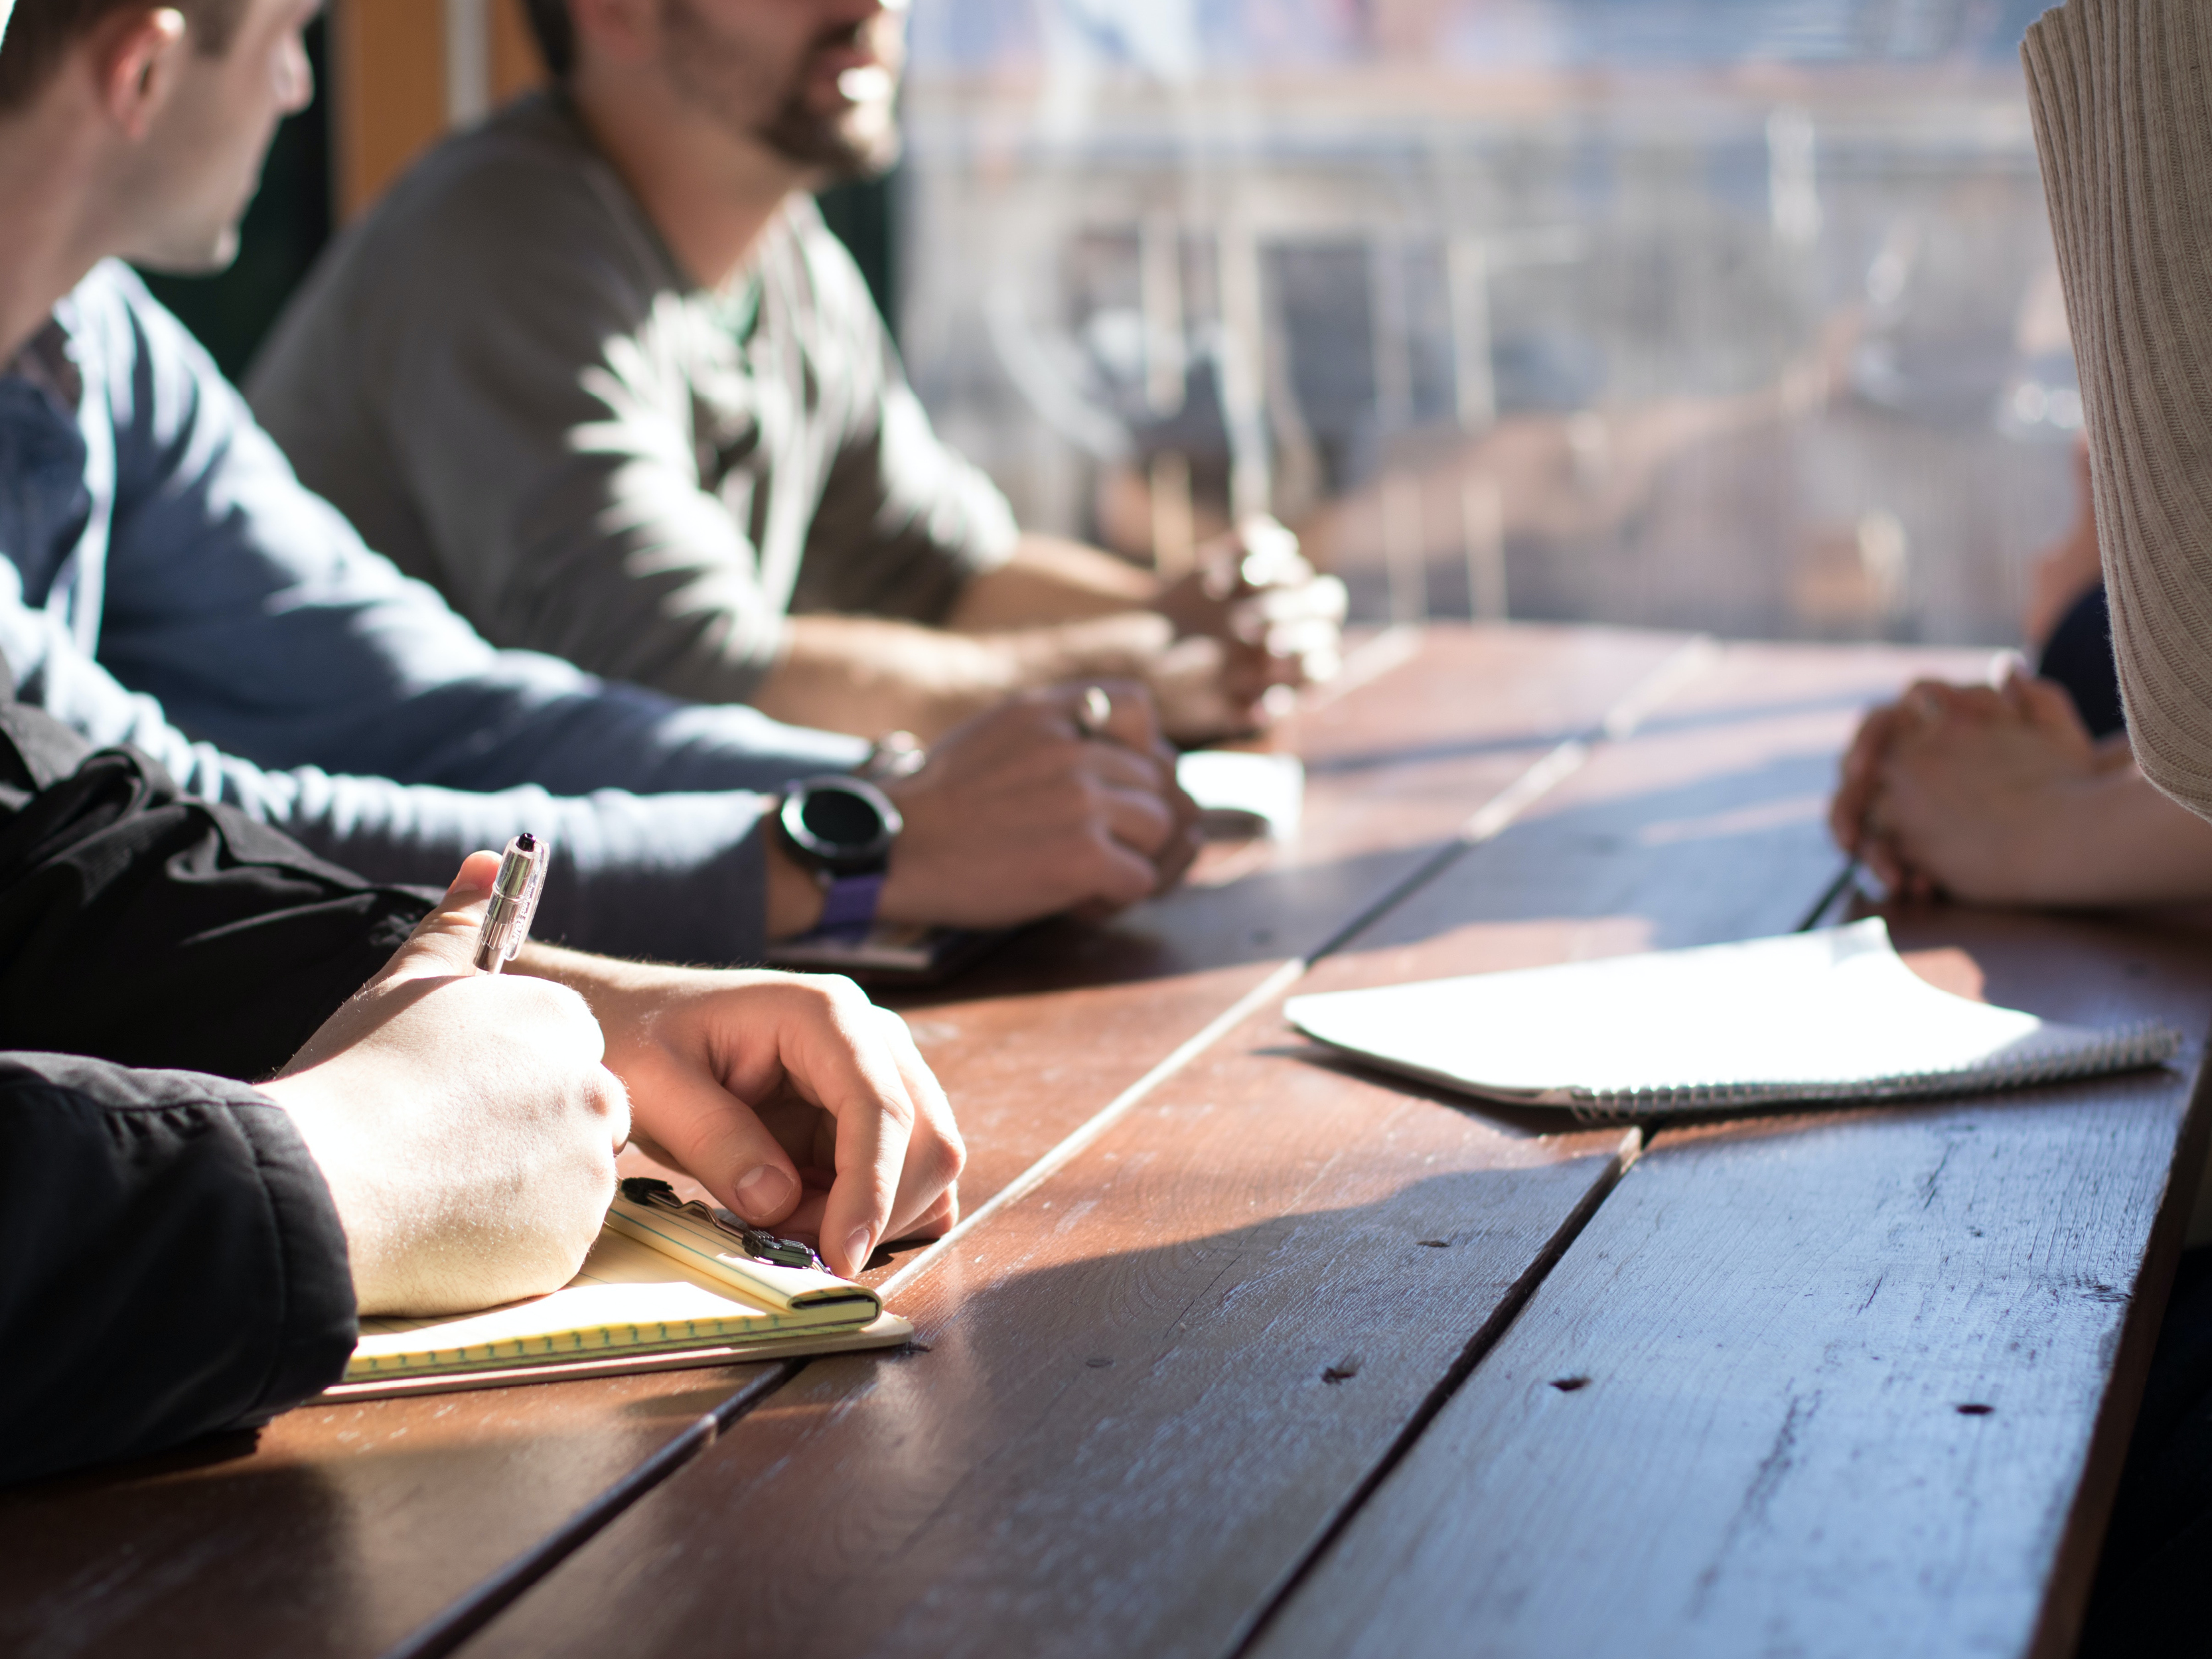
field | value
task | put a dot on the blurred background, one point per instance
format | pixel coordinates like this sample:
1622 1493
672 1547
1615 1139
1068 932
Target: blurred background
1731 314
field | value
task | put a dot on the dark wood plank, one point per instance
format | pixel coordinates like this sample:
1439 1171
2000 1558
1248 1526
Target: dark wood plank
1149 1387
336 1530
1708 826
342 1527
1153 1386
1819 1384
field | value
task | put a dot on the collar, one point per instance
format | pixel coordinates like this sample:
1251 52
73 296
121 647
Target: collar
47 361
736 302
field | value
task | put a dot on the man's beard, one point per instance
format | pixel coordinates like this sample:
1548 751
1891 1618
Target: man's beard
830 145
713 73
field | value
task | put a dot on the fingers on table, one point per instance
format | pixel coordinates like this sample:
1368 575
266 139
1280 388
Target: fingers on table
1860 774
849 1060
1122 869
1135 797
927 1200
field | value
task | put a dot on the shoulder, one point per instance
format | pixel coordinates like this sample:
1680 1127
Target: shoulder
113 309
519 202
531 161
148 364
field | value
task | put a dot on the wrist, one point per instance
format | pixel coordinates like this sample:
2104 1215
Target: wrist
2042 856
794 898
968 674
306 1098
897 902
838 833
1123 646
316 1102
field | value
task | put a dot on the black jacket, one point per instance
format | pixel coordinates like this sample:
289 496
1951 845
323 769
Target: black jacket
170 1260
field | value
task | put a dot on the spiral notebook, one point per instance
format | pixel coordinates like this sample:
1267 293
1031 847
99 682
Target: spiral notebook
1831 1014
666 1285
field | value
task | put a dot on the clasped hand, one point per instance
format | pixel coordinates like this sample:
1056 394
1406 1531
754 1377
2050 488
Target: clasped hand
1252 617
1973 791
1021 812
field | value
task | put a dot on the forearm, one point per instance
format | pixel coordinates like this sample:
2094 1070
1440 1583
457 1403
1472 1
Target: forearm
678 876
674 874
448 712
2093 839
868 676
2122 842
363 673
1051 581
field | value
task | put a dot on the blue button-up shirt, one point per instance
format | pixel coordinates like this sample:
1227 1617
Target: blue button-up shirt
165 581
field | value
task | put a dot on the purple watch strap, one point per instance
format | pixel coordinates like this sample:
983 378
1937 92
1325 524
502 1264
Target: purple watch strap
848 905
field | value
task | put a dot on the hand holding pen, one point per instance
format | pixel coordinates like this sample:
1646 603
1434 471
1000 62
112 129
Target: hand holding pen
464 1122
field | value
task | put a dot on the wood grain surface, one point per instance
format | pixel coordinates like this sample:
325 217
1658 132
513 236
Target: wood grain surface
1149 1389
340 1528
1154 1385
337 1529
1708 826
1814 1384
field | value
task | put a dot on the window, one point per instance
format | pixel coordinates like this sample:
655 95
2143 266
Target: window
1735 314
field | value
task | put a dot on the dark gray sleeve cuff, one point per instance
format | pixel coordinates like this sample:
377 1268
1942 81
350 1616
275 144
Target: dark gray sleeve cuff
170 1262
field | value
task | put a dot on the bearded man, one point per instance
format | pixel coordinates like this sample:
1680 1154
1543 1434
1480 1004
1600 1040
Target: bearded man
598 371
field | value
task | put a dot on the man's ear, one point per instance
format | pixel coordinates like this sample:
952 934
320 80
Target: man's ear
136 59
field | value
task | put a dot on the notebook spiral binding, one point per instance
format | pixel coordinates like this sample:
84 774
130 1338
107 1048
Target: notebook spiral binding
2127 1048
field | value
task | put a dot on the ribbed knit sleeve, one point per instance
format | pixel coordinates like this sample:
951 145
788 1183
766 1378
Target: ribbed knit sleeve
2121 93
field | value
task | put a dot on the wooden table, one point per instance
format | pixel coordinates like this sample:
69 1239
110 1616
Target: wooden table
1239 1351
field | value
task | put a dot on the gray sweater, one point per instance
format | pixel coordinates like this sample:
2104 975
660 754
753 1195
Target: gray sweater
502 377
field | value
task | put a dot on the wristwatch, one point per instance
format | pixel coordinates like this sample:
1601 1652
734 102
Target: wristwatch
842 829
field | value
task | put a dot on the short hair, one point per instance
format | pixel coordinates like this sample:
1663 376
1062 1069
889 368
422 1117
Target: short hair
555 31
42 32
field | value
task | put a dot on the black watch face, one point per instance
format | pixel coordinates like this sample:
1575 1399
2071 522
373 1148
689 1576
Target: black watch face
845 825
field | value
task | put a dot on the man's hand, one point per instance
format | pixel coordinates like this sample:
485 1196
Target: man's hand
1020 814
1254 620
1860 777
793 1098
1993 795
463 1122
1253 615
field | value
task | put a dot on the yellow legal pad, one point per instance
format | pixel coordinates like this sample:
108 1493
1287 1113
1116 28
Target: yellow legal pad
661 1288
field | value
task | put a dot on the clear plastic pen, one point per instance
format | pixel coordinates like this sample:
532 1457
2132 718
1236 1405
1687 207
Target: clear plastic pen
514 902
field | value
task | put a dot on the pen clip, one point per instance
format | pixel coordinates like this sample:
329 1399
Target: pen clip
760 1246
